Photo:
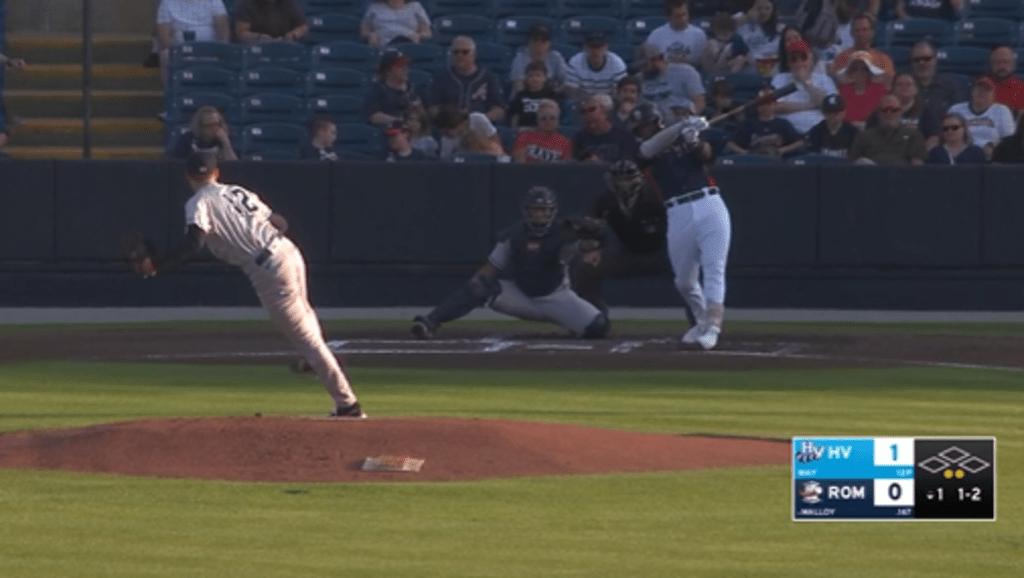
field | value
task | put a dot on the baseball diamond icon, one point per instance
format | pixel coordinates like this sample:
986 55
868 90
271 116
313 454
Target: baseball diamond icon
954 456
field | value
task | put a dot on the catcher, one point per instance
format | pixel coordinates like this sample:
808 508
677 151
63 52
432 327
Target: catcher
241 230
526 274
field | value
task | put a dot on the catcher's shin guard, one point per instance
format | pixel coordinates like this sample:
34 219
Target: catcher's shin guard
474 293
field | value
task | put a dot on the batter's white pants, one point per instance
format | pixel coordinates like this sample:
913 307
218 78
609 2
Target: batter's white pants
562 306
280 284
698 241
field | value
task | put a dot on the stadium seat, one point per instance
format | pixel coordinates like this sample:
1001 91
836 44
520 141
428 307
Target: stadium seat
191 54
474 158
716 137
203 79
317 7
506 8
1009 9
425 56
749 159
273 155
626 51
566 50
274 107
572 8
272 79
279 54
969 60
900 56
420 78
360 138
512 31
259 138
479 28
966 81
445 7
639 28
495 57
907 31
345 54
340 108
570 114
181 108
638 8
745 85
816 159
337 80
333 27
986 32
572 30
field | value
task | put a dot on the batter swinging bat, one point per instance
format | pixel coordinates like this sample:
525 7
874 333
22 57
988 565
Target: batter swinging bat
773 95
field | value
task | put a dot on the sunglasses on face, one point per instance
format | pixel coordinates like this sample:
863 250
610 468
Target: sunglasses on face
951 127
920 59
589 109
889 108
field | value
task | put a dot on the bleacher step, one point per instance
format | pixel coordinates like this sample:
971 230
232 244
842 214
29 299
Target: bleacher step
102 153
69 103
69 77
67 48
106 132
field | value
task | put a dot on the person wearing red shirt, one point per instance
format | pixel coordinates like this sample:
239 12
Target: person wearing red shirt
1002 62
862 92
543 144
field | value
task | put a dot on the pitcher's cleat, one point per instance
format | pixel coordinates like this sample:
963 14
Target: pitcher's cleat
349 412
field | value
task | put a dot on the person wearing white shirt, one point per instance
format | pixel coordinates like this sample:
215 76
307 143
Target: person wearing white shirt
987 121
759 28
680 41
803 107
180 21
595 70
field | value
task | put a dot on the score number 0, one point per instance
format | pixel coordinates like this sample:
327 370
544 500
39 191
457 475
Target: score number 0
899 453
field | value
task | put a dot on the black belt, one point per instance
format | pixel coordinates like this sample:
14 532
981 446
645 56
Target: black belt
691 196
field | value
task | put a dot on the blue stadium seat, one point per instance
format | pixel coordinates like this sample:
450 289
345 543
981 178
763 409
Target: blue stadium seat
626 51
507 8
337 80
272 79
639 28
273 107
273 155
570 114
203 79
181 108
317 7
346 54
1010 9
425 56
572 30
566 50
340 108
262 137
970 60
445 7
219 54
420 78
966 81
512 31
749 159
907 31
474 158
571 8
280 54
716 137
744 84
333 27
900 56
987 32
507 135
637 8
816 159
479 28
360 138
495 57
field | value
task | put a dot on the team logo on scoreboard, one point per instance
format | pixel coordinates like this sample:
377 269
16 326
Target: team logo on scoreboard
953 462
809 452
811 492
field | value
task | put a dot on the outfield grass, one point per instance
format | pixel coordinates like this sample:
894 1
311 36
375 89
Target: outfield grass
724 522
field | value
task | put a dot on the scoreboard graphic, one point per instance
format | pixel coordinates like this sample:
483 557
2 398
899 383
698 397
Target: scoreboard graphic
894 478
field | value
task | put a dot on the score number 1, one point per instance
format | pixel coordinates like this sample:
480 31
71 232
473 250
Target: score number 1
899 452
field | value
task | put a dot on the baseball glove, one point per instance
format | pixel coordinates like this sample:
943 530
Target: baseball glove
589 231
138 252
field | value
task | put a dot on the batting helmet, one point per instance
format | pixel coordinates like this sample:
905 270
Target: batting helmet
540 205
624 179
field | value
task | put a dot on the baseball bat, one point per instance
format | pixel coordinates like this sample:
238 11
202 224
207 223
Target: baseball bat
773 95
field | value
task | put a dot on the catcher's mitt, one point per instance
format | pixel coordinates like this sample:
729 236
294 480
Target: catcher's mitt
138 252
589 231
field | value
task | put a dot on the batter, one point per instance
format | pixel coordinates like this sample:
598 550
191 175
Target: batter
241 230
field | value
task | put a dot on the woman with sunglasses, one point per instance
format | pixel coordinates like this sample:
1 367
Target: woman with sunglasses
956 147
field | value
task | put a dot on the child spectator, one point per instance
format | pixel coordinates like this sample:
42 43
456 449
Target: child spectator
419 132
387 21
522 109
538 47
720 102
269 20
400 148
451 122
765 134
725 50
543 144
320 147
392 97
833 136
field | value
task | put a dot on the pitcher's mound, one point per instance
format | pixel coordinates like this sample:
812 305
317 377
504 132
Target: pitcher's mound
277 449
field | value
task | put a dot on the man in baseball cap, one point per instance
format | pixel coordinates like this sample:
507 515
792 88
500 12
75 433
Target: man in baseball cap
392 95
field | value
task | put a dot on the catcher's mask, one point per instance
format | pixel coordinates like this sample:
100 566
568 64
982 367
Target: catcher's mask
624 179
646 121
539 209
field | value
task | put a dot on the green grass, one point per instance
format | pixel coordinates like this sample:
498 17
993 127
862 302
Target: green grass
725 522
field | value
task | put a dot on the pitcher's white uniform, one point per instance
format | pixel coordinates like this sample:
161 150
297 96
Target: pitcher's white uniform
238 232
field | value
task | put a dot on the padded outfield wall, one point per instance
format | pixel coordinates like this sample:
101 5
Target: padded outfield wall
380 234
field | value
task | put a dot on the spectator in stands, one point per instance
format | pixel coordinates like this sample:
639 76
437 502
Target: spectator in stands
595 70
833 136
987 120
678 40
400 147
628 108
538 47
669 86
467 85
941 9
720 101
1010 150
598 140
523 109
208 133
323 132
862 91
789 35
482 137
889 143
269 20
915 113
179 21
388 21
758 25
803 107
765 134
543 144
725 50
956 147
845 11
451 122
938 91
392 97
863 30
1002 63
419 132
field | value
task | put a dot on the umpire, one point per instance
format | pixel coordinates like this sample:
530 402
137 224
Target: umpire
635 213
